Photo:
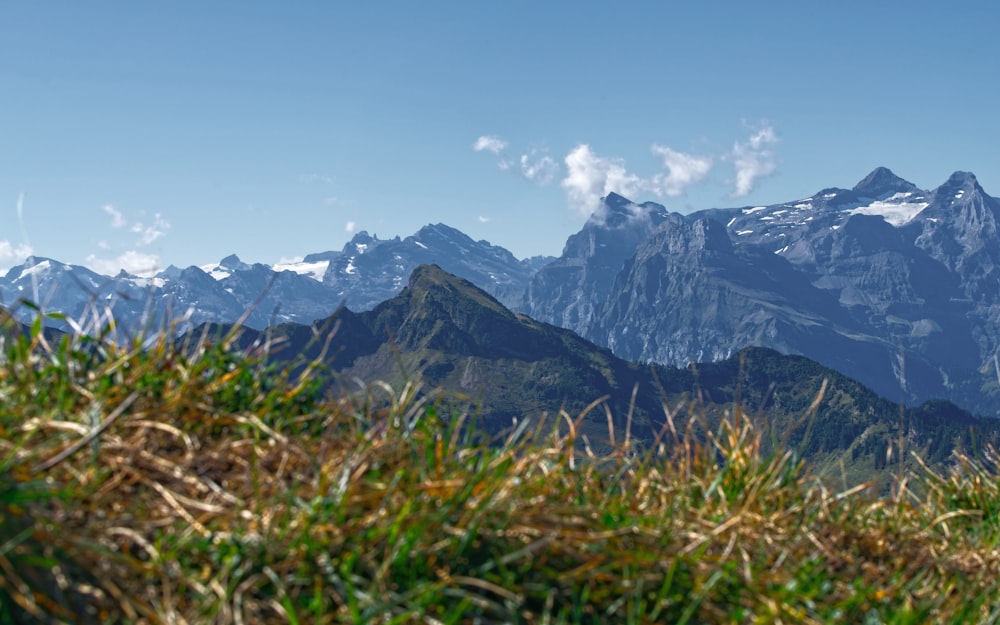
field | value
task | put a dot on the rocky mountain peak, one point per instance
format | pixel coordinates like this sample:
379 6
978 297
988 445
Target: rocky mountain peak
440 232
363 237
232 262
961 181
881 182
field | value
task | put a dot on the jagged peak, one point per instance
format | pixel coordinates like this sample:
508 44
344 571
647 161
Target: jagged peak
441 229
882 181
614 200
363 237
232 262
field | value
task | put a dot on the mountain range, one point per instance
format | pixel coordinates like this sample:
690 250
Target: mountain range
889 284
892 285
368 270
509 367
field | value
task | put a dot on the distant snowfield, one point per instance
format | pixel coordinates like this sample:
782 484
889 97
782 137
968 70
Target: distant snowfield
312 270
896 210
217 272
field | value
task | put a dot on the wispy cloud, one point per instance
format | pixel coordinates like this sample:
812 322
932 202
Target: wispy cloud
485 220
490 143
590 177
117 218
350 227
534 165
148 234
132 261
587 176
13 253
753 159
683 170
538 168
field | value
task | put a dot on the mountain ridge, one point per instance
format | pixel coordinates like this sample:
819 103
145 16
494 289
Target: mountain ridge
452 335
888 283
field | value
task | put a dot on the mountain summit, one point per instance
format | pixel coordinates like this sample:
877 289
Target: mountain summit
881 182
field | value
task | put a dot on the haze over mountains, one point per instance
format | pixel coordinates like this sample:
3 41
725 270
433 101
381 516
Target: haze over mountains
892 285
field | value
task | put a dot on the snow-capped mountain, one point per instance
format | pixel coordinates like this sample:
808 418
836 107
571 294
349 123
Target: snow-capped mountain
365 272
893 285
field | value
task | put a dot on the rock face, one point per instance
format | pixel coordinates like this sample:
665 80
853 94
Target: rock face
890 284
571 291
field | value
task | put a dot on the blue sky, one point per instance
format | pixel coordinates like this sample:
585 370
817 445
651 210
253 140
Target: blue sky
142 135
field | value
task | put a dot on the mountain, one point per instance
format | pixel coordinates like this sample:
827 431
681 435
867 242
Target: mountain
890 284
570 290
512 367
369 271
895 286
365 272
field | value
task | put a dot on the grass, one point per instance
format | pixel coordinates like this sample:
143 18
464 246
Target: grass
166 483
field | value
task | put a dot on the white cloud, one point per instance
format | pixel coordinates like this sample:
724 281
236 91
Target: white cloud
490 143
484 220
350 227
11 253
534 166
117 219
590 177
683 170
539 169
753 159
148 234
134 262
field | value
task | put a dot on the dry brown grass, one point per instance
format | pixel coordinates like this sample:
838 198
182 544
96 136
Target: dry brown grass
170 485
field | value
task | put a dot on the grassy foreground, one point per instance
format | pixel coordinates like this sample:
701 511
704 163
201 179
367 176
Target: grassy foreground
164 484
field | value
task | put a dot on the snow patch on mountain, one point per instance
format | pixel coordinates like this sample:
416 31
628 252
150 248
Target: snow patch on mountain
36 270
897 210
314 270
216 271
